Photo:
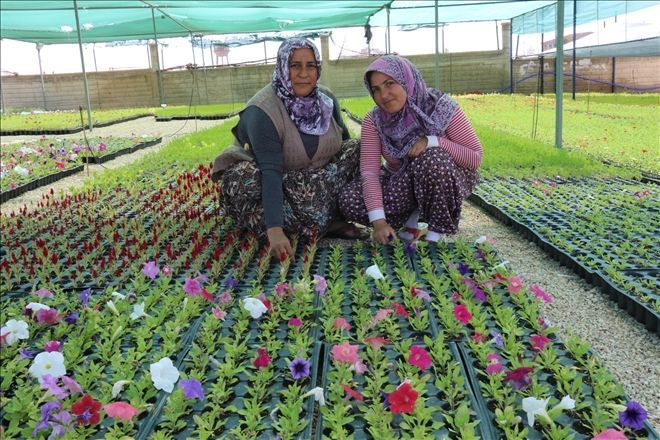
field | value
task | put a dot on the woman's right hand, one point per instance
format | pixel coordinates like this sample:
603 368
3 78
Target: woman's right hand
383 232
279 243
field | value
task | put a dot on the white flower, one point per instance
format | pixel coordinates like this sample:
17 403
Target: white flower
21 171
255 307
118 386
112 307
164 374
35 307
14 330
374 272
566 403
48 363
318 395
138 311
535 407
118 295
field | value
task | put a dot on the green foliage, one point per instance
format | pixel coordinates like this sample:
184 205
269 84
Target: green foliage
67 119
199 110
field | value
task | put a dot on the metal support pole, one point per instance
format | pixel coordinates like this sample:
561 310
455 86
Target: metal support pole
206 86
96 67
574 60
41 75
437 52
388 42
82 62
559 75
161 98
613 74
511 59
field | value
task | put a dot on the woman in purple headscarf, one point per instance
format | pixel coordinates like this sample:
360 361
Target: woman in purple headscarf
431 157
289 158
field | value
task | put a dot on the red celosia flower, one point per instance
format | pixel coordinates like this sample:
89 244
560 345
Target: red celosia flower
419 357
350 392
207 295
462 313
87 409
262 360
402 400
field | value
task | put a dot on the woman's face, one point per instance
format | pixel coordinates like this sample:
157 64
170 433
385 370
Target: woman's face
303 71
387 93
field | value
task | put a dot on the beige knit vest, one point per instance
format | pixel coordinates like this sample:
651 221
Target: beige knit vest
295 156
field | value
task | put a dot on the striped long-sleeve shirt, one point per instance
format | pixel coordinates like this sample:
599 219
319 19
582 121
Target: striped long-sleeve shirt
460 141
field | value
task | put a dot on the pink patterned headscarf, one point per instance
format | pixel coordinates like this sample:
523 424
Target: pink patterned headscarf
312 113
427 111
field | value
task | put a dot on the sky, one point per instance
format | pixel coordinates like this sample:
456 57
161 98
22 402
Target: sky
22 58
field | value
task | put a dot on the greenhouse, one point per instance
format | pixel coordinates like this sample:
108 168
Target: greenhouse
140 300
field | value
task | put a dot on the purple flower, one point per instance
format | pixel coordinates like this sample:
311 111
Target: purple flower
191 287
481 254
71 318
150 269
192 389
84 296
497 339
384 397
231 282
299 368
46 409
633 416
201 278
463 268
71 385
49 383
479 294
25 353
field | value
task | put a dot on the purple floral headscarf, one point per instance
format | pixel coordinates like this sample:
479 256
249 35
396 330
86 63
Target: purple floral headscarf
427 110
312 113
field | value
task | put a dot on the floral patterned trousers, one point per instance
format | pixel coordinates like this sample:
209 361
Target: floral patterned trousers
431 181
310 195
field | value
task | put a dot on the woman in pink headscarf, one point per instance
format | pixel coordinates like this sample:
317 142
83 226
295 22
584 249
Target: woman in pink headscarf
431 156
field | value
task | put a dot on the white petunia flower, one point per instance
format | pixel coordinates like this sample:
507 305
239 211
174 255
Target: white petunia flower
164 374
138 311
35 307
48 363
21 171
118 386
535 407
374 272
118 295
13 330
318 395
255 307
111 306
566 403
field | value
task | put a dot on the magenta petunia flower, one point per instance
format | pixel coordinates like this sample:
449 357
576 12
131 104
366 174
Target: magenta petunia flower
224 298
519 377
633 416
47 316
150 269
462 314
192 389
192 287
294 322
52 346
539 342
299 368
419 357
540 293
515 284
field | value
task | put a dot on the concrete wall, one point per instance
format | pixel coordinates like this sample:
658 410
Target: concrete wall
459 73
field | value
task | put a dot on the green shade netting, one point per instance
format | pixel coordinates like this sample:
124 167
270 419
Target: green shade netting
54 21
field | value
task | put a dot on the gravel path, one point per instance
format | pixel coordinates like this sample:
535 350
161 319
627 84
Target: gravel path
630 352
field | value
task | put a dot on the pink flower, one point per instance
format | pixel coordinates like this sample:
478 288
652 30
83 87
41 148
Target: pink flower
262 360
539 342
376 341
219 313
192 287
47 316
539 293
150 269
419 357
167 270
515 284
321 284
610 434
294 322
341 323
380 315
462 314
399 310
71 385
494 364
281 289
44 293
423 294
455 296
52 346
350 392
345 353
224 298
120 410
359 367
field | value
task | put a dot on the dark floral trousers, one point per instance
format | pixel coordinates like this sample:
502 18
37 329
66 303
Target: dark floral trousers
310 195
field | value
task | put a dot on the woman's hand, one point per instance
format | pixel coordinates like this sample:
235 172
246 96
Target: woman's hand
279 243
383 232
419 147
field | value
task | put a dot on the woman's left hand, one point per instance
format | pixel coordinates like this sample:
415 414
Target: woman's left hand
419 147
